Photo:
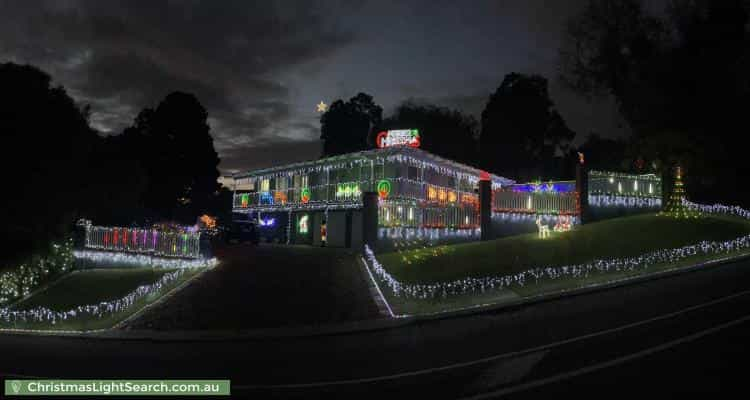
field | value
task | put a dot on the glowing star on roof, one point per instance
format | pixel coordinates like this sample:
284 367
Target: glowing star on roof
322 107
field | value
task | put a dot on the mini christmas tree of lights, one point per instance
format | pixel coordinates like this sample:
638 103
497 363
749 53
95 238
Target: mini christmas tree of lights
675 206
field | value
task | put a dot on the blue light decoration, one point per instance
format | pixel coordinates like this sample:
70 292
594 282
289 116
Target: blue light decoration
549 187
267 222
266 198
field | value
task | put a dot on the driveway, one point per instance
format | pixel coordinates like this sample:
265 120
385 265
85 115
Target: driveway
267 286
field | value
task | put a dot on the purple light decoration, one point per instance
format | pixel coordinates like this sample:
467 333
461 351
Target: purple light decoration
267 221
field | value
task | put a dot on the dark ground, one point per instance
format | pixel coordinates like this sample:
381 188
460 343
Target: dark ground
679 335
267 287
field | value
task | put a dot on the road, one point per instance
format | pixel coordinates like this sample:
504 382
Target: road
682 333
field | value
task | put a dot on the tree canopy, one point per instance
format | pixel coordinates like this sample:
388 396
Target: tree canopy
522 132
447 133
46 170
174 146
346 126
680 79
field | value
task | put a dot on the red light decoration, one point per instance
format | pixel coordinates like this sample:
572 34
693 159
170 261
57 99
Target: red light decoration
398 137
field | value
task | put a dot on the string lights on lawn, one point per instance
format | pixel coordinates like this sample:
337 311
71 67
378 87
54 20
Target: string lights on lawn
41 314
21 280
102 258
45 315
471 285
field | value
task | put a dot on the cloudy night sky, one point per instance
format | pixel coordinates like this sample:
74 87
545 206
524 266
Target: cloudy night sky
260 68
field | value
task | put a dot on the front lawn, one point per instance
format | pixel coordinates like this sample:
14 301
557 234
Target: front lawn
615 238
92 287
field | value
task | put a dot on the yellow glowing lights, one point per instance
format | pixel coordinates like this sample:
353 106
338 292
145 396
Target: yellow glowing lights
208 221
431 193
322 107
442 194
279 197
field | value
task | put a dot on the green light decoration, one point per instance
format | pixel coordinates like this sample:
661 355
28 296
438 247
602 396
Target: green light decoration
675 206
347 190
305 195
384 188
245 200
302 224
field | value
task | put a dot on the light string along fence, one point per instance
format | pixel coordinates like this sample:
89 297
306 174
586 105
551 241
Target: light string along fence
601 266
171 242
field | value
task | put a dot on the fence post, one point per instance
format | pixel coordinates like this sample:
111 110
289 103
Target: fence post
582 190
370 219
485 209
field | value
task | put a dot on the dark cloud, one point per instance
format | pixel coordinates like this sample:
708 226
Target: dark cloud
122 57
259 68
267 154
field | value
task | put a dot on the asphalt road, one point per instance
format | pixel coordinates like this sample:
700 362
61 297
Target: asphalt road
684 333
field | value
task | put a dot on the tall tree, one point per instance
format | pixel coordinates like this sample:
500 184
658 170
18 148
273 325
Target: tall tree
447 133
46 169
522 132
614 47
176 149
680 79
345 126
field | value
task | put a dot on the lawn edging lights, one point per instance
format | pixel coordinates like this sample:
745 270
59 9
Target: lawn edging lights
471 285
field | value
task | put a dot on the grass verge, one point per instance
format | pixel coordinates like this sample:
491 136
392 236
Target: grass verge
616 238
94 286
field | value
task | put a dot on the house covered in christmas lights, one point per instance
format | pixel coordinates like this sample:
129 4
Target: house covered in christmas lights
417 195
413 194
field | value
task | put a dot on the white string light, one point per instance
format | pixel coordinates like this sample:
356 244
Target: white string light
480 285
43 314
102 309
612 200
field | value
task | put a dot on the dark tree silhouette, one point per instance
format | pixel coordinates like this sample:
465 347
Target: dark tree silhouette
345 127
680 79
45 169
521 132
605 154
176 150
447 133
614 47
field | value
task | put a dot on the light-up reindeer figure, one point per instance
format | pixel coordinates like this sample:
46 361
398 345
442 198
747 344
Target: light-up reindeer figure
543 228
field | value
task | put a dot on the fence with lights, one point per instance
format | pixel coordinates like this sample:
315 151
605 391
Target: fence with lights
159 241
